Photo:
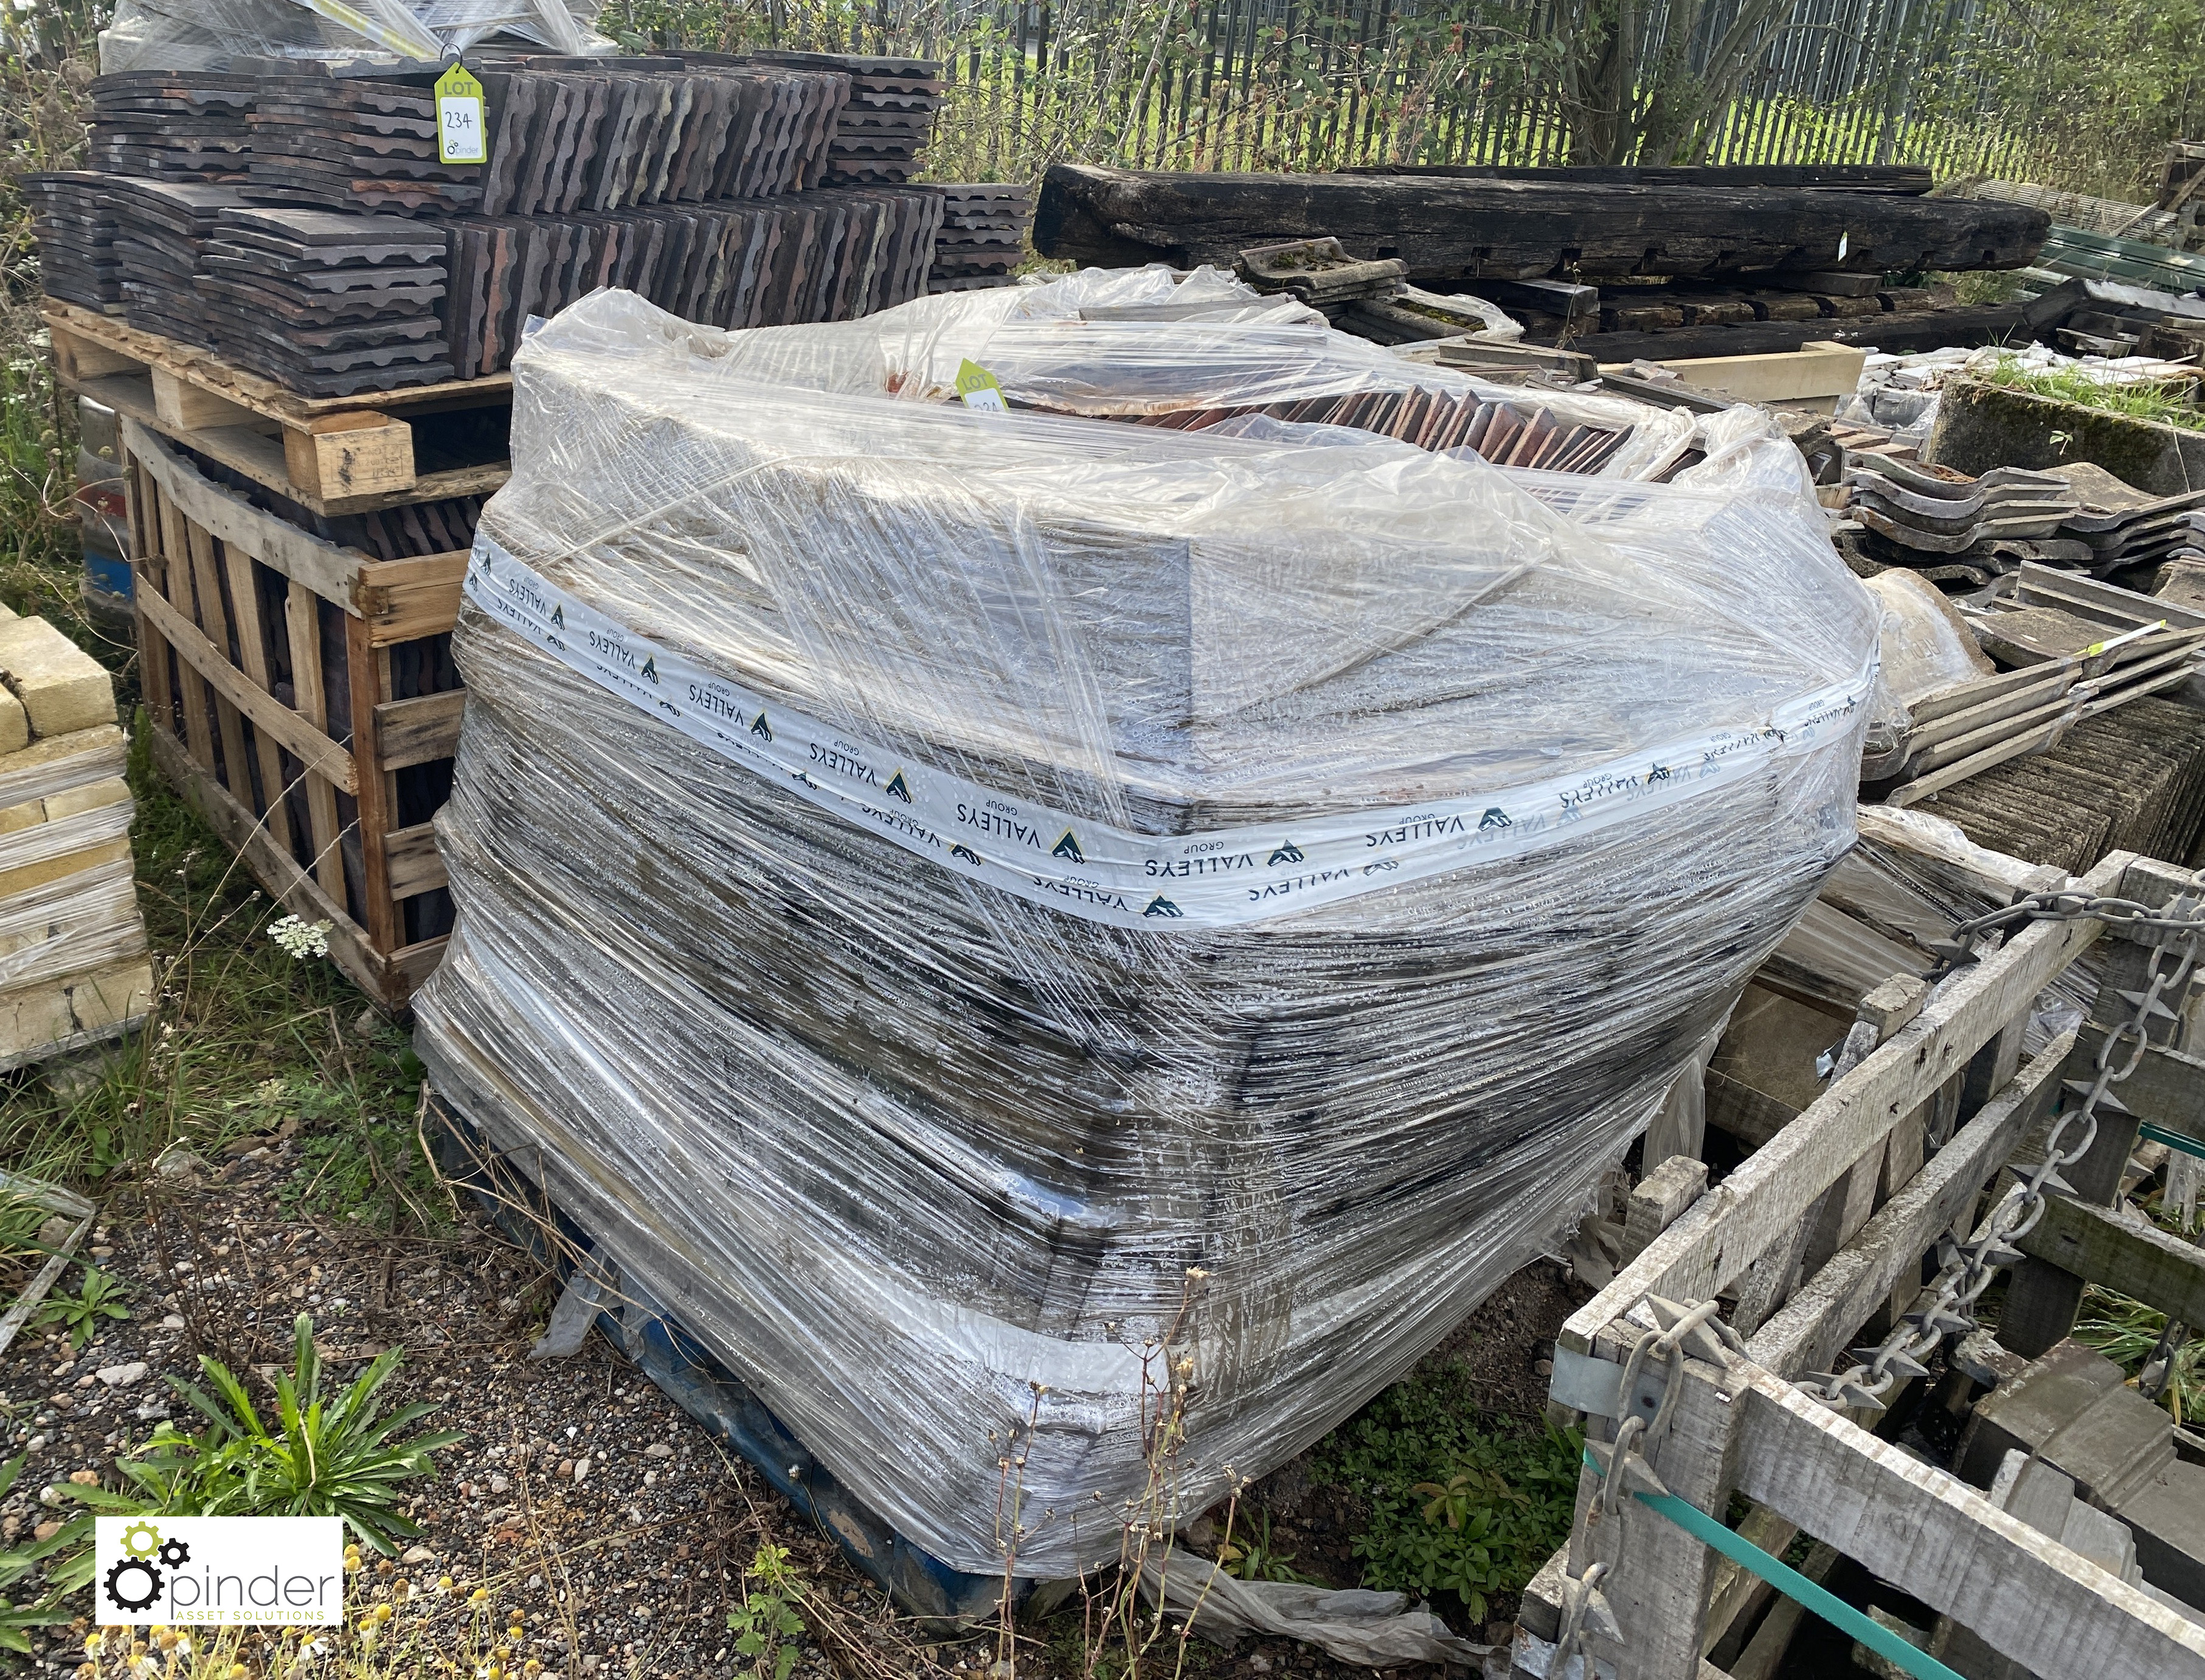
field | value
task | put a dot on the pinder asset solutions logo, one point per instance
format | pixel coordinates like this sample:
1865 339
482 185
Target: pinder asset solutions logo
183 1570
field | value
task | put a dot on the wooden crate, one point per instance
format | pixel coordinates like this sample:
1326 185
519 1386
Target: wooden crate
301 697
331 456
1804 1264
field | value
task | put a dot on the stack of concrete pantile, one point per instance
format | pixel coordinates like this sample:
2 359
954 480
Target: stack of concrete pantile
701 127
345 256
2136 529
889 117
983 235
1937 519
73 963
353 145
75 227
826 256
161 231
173 124
328 305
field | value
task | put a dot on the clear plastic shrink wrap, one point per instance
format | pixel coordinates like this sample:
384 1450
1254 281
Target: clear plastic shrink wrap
216 34
938 887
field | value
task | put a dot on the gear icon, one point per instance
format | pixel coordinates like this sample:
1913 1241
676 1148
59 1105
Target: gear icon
130 1596
141 1540
174 1553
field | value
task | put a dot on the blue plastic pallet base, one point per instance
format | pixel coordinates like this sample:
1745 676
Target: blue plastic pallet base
920 1583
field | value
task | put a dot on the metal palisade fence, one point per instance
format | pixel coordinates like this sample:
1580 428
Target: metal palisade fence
1329 84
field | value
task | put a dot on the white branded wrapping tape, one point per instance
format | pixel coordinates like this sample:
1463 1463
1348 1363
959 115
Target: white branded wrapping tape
1222 878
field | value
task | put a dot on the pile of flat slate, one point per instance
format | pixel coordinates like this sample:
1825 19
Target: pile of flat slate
161 231
983 233
187 125
826 256
327 305
889 117
76 237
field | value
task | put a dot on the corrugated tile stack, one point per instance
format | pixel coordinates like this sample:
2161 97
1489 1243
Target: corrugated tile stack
888 120
983 235
161 232
329 305
76 237
700 180
172 124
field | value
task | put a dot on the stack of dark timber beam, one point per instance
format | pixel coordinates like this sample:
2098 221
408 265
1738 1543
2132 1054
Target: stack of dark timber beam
1661 263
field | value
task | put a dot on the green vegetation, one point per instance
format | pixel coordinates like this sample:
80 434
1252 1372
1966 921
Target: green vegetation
765 1623
2134 402
333 1456
83 1315
1253 1558
2126 1332
318 1456
1454 1508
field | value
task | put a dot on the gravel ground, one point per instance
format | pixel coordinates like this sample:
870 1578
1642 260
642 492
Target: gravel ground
617 1526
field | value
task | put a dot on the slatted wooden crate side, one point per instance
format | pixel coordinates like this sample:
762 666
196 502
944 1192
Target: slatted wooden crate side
285 681
1808 1469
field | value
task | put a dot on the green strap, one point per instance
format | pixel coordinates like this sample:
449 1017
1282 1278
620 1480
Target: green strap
1788 1581
2173 1140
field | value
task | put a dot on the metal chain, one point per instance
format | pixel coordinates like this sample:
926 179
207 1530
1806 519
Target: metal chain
1585 1610
1965 1270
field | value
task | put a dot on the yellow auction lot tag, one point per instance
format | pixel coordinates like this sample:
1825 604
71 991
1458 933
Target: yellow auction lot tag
461 136
979 388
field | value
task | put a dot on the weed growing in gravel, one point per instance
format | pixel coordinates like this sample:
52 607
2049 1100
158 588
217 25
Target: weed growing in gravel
1454 1508
84 1312
337 1457
765 1623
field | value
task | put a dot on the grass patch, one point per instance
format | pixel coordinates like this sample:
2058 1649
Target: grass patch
2126 1332
1455 1507
2065 384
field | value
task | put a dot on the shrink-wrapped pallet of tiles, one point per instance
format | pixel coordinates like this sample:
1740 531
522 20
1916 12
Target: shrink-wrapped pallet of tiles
74 968
952 894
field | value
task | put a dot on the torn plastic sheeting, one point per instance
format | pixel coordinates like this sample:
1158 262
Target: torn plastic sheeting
216 34
1371 1630
928 1163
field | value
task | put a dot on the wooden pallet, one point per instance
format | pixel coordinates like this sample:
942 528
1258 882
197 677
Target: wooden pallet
267 666
331 454
1805 1206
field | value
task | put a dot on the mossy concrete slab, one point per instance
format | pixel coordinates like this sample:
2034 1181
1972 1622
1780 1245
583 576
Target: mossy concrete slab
1980 427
